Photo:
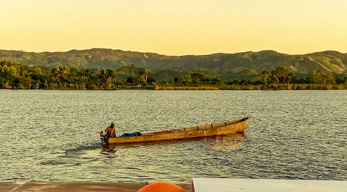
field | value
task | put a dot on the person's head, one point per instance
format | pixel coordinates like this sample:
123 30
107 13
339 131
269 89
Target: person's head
112 125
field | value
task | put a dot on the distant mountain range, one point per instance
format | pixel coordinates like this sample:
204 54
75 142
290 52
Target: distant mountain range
246 65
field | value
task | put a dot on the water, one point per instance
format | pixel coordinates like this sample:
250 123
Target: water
53 135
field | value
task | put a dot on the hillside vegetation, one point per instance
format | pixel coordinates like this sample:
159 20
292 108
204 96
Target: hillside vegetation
227 67
16 76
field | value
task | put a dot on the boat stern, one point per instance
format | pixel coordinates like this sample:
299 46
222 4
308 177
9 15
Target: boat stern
103 138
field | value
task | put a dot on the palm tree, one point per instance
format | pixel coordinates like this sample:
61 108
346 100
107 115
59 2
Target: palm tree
266 74
146 75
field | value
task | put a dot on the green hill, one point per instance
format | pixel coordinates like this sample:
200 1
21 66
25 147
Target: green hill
247 65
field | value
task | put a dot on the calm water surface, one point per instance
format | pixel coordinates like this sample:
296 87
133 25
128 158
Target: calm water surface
53 135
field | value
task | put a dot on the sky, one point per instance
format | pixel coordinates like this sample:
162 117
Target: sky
174 27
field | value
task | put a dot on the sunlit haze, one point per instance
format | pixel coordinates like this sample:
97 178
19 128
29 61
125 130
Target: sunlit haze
174 27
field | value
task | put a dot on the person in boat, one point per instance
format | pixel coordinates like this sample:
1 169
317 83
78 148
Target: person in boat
110 131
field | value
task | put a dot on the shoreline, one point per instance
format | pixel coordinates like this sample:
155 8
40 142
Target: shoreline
187 89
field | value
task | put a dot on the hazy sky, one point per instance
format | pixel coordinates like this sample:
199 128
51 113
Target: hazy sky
174 27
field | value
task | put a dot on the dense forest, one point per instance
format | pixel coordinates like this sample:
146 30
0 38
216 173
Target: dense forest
16 76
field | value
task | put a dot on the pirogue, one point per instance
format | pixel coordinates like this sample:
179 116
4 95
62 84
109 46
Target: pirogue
223 128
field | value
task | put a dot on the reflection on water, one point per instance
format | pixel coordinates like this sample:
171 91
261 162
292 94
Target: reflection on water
110 153
224 142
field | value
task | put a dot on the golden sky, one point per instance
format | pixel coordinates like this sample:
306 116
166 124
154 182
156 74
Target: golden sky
174 27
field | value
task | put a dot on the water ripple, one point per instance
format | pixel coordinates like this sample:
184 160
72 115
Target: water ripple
53 135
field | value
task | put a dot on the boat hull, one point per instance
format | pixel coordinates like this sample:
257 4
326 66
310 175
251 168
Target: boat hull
208 130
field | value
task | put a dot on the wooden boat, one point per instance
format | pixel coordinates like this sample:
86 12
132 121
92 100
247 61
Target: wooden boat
223 128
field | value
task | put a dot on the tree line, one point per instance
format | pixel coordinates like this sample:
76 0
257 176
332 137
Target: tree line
283 77
16 76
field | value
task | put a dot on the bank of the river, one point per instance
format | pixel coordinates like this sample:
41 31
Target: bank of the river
255 87
215 87
240 87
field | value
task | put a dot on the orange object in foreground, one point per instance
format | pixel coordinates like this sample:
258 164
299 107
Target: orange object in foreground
161 187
